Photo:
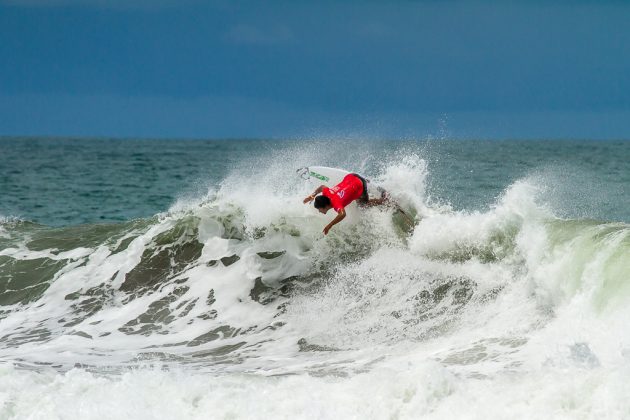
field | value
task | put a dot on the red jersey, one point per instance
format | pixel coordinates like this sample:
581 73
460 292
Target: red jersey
345 192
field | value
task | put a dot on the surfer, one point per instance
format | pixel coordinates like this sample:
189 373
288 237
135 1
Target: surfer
353 187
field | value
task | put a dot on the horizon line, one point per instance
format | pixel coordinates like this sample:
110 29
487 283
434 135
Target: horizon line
326 138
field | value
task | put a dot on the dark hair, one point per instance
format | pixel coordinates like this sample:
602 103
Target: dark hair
321 201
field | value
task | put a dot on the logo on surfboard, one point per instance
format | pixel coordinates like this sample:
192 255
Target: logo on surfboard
305 173
318 176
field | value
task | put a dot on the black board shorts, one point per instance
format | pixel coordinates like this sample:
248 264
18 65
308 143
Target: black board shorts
364 197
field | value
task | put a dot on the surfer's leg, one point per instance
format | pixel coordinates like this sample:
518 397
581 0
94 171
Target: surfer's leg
383 200
365 198
375 202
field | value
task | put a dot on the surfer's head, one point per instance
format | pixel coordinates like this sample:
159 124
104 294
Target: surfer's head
322 203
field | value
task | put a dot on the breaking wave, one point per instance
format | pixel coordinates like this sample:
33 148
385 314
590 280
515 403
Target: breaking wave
242 280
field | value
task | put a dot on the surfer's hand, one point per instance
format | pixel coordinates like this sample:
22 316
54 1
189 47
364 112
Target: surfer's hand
309 199
326 229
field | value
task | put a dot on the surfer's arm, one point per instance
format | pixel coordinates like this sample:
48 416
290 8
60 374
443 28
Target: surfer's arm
312 196
340 216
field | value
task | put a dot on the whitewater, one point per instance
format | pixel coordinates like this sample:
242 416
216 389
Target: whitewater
231 303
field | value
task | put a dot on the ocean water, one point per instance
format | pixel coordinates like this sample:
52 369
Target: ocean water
186 280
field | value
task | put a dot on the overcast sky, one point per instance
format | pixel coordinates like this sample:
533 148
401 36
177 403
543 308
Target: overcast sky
213 69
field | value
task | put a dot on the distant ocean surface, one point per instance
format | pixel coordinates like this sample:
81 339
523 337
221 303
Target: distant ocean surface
172 279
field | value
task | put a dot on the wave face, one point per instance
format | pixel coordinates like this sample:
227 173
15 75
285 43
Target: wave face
233 303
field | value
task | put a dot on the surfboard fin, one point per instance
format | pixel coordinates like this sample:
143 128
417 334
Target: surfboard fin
303 173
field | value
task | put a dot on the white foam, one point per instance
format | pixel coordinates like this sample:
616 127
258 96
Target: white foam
410 390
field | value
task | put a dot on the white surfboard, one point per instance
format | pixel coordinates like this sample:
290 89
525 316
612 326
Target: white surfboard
322 175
